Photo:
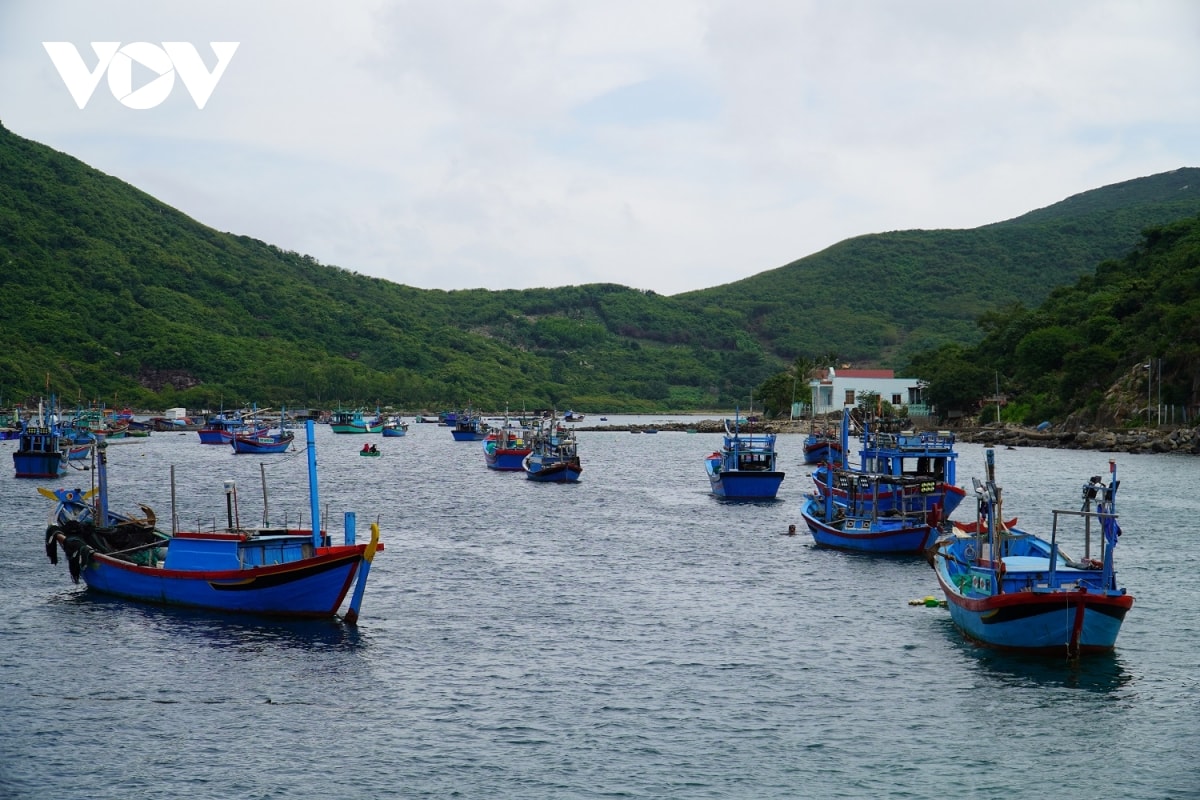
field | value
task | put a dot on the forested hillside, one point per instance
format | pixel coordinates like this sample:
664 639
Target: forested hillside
883 298
1084 351
109 294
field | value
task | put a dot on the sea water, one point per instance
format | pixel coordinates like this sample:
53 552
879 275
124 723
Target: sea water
628 636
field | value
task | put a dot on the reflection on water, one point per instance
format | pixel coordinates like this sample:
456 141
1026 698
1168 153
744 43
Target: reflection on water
235 631
1095 672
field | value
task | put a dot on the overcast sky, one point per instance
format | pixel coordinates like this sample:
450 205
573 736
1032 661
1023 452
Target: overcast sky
661 144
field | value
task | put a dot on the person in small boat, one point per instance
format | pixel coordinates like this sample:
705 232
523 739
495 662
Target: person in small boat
366 447
374 449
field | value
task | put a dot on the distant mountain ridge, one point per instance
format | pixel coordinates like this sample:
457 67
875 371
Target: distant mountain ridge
110 294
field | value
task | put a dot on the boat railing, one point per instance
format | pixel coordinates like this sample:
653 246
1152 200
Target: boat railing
908 440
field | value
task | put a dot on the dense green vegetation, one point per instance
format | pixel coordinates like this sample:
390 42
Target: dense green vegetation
1067 355
108 294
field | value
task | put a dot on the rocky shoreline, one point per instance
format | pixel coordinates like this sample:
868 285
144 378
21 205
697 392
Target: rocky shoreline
1143 440
1160 440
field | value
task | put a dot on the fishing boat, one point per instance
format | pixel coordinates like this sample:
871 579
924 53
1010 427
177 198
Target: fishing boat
41 448
274 442
925 457
822 446
469 427
505 447
745 467
849 518
394 426
10 424
572 416
277 571
344 421
220 428
554 457
1011 589
370 451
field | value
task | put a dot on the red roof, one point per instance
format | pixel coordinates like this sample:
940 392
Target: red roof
865 373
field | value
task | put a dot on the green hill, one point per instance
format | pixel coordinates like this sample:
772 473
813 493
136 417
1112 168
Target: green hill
109 294
1083 351
885 297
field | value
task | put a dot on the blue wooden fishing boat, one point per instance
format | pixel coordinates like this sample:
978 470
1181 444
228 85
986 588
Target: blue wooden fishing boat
469 427
572 416
39 453
849 518
927 457
277 571
353 421
220 428
273 442
745 467
822 446
554 457
1011 589
41 448
505 447
394 427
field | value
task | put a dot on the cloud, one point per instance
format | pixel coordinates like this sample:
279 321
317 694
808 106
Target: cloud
670 145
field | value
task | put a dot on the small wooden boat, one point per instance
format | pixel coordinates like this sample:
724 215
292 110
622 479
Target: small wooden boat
745 467
572 416
370 451
1010 589
289 572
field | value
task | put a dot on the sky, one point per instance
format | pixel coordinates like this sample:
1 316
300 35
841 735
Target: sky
665 145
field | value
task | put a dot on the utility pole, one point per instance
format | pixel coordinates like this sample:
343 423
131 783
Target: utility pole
1149 385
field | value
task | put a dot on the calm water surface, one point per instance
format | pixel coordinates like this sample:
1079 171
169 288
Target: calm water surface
629 636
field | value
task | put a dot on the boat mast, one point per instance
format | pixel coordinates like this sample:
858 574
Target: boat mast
314 501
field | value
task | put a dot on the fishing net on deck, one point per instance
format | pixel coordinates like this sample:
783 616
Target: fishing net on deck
134 541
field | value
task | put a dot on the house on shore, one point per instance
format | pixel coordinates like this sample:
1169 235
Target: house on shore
835 389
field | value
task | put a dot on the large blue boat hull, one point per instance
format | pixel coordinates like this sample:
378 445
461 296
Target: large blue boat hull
313 587
552 472
505 460
746 485
1045 623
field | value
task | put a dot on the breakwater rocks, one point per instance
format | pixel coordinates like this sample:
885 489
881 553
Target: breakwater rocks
1161 440
697 426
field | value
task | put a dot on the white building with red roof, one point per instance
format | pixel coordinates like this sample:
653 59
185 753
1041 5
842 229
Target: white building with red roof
834 389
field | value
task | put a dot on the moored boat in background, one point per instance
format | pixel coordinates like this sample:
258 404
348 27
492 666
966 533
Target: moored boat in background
822 446
554 457
505 447
745 467
41 448
354 421
888 451
469 427
394 427
848 517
